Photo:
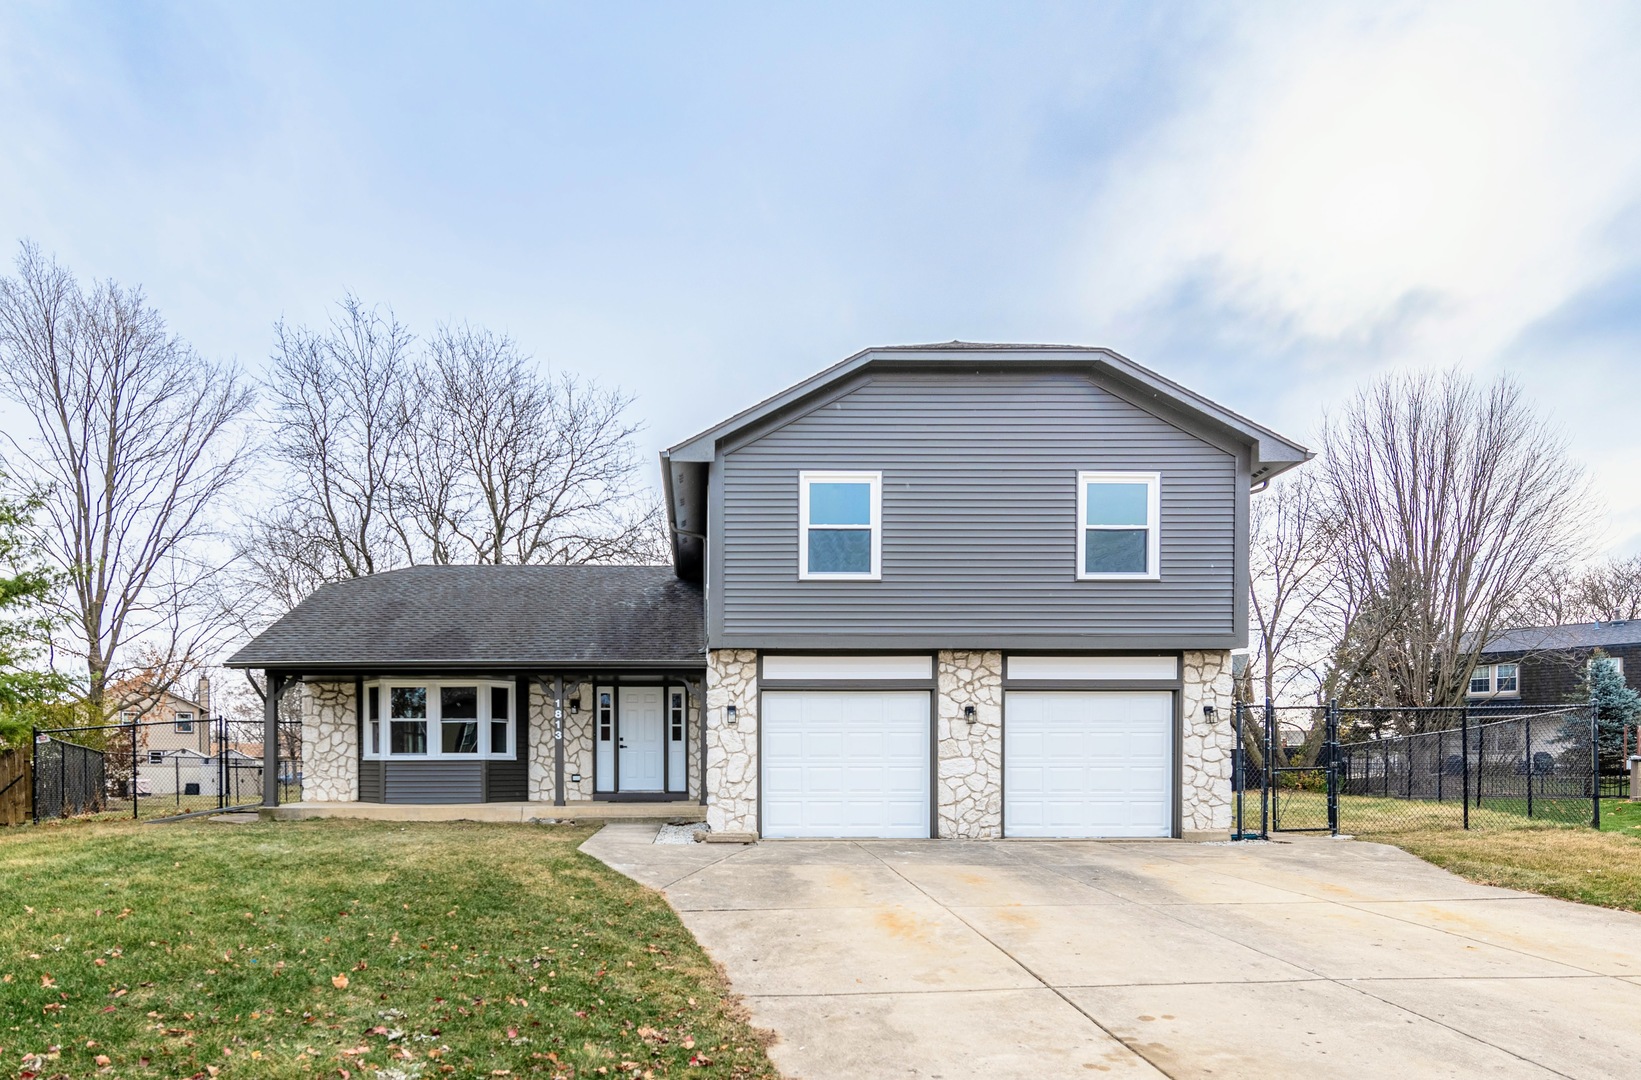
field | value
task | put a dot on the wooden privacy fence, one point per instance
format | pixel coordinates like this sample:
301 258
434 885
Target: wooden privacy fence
15 787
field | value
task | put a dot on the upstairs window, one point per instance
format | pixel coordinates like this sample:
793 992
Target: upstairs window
185 723
1117 530
1495 680
839 531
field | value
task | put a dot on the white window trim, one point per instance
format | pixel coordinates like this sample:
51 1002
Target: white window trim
1153 527
433 719
875 479
1491 673
1615 661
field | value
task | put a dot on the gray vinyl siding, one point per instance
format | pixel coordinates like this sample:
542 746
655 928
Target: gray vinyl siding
370 781
434 782
979 520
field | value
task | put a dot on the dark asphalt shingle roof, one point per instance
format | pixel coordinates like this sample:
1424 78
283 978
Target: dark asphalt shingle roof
489 616
1569 636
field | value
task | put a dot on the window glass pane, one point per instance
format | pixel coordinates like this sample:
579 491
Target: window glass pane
1481 680
498 703
840 551
840 504
459 703
460 738
498 738
1114 551
1118 504
375 737
408 702
1507 676
373 695
408 736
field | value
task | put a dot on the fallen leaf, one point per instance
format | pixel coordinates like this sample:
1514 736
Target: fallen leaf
103 1060
339 981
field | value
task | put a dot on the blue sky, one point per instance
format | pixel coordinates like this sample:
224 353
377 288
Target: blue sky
703 203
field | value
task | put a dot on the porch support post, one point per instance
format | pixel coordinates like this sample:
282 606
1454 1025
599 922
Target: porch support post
699 688
558 740
270 737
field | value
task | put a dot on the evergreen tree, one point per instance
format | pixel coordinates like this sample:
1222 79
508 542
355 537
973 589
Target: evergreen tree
1617 706
29 694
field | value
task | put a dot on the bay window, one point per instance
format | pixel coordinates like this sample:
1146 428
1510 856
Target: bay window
451 719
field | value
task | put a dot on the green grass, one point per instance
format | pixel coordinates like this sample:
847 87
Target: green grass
1621 816
1555 852
348 949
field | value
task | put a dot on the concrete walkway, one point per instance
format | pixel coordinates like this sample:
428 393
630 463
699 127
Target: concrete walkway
1058 959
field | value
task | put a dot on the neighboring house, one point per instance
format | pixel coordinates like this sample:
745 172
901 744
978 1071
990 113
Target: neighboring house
166 720
1545 665
955 591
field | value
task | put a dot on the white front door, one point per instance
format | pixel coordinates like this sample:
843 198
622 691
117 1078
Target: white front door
642 751
845 763
1088 763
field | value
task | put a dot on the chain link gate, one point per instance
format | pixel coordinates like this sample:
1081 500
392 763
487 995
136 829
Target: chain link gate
1296 791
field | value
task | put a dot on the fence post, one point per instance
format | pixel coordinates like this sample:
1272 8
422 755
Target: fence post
136 805
1595 766
1267 790
34 774
1527 752
1239 776
1464 760
1331 742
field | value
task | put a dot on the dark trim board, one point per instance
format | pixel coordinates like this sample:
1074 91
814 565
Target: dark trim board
643 796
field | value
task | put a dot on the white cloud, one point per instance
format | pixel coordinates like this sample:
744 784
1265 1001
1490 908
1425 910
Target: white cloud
1411 187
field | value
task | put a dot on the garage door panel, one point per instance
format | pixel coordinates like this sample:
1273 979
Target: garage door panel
1088 763
851 764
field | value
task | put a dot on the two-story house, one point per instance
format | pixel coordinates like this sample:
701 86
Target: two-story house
1547 665
934 591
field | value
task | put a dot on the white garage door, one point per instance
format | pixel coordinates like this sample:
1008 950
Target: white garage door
1088 763
845 763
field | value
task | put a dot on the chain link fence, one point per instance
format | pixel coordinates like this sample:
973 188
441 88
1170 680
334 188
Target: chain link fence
1366 770
159 769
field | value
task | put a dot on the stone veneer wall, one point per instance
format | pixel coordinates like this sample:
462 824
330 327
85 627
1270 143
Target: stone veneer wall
732 752
970 757
330 742
1205 782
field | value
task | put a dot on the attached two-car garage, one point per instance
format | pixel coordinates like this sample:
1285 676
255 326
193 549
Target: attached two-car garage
1077 763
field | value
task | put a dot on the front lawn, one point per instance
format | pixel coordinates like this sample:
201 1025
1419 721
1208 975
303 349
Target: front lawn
1567 862
348 950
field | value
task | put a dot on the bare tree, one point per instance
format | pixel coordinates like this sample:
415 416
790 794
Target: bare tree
1449 499
510 466
1291 570
453 450
135 444
1611 591
338 428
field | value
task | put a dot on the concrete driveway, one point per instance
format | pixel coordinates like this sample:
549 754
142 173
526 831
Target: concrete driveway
1049 959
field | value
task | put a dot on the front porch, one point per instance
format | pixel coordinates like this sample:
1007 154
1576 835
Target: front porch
506 812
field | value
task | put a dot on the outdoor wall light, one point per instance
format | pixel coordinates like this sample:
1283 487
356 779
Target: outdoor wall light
729 715
968 713
575 706
1208 713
